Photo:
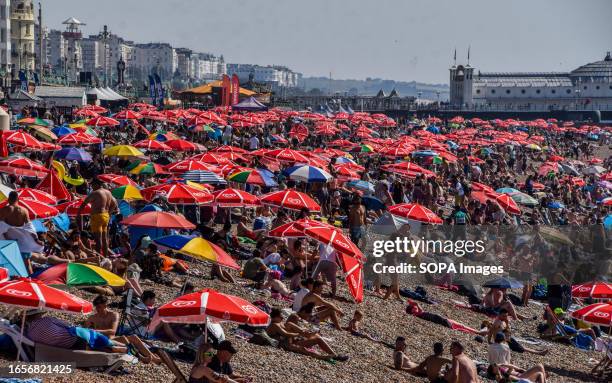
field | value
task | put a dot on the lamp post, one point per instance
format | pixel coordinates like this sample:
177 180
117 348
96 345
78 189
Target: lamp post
104 35
577 91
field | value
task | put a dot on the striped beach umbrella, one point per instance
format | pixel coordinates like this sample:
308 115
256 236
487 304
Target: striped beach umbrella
307 173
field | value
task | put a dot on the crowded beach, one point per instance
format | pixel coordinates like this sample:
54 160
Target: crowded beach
228 245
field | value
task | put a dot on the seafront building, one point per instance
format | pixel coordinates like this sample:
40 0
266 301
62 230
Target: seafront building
276 76
588 87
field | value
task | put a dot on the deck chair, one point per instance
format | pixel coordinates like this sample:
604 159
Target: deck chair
560 334
83 358
169 362
134 318
25 347
603 369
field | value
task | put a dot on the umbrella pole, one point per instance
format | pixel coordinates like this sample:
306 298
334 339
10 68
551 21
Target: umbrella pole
206 330
19 346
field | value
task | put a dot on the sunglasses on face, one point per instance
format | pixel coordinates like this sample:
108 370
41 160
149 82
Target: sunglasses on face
209 354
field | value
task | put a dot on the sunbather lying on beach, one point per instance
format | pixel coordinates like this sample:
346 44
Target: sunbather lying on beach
510 374
292 337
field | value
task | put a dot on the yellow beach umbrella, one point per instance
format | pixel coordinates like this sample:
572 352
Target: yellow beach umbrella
127 192
122 151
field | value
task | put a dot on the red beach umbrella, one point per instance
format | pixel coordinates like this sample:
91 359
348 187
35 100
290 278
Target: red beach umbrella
72 208
415 212
35 209
153 145
508 204
235 198
335 238
290 199
127 115
36 195
211 158
182 145
21 138
30 293
353 274
598 313
23 163
208 303
117 179
288 155
190 164
158 219
103 121
178 193
598 290
78 138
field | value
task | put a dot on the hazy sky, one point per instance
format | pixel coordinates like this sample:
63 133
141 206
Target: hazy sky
391 39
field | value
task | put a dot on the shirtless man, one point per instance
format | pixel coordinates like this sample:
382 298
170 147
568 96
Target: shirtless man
463 369
357 219
494 301
103 320
401 361
324 309
432 365
103 204
296 339
17 216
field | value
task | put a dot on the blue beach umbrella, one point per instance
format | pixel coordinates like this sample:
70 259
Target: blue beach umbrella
62 130
555 205
373 203
203 177
608 222
504 283
73 154
361 185
307 173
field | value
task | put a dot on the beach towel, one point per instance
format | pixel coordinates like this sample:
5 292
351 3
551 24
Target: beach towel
94 339
24 235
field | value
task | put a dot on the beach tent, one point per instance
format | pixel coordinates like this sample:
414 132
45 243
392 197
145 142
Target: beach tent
209 89
116 95
250 104
10 259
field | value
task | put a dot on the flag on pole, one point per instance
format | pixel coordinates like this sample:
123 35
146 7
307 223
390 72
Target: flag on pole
152 89
226 91
235 89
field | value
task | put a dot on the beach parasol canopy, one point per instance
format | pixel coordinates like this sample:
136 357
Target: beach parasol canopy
4 275
190 164
30 293
597 290
122 151
251 176
78 138
71 208
208 303
127 115
127 192
36 195
79 274
307 173
504 283
153 145
178 193
23 163
353 274
148 168
35 209
287 155
335 238
117 179
235 198
415 212
290 199
158 219
508 204
73 154
182 145
102 121
198 248
598 314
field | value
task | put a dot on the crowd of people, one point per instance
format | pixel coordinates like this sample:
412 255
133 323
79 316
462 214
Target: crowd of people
300 271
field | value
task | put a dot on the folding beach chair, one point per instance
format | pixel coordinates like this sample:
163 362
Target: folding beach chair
134 317
603 369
